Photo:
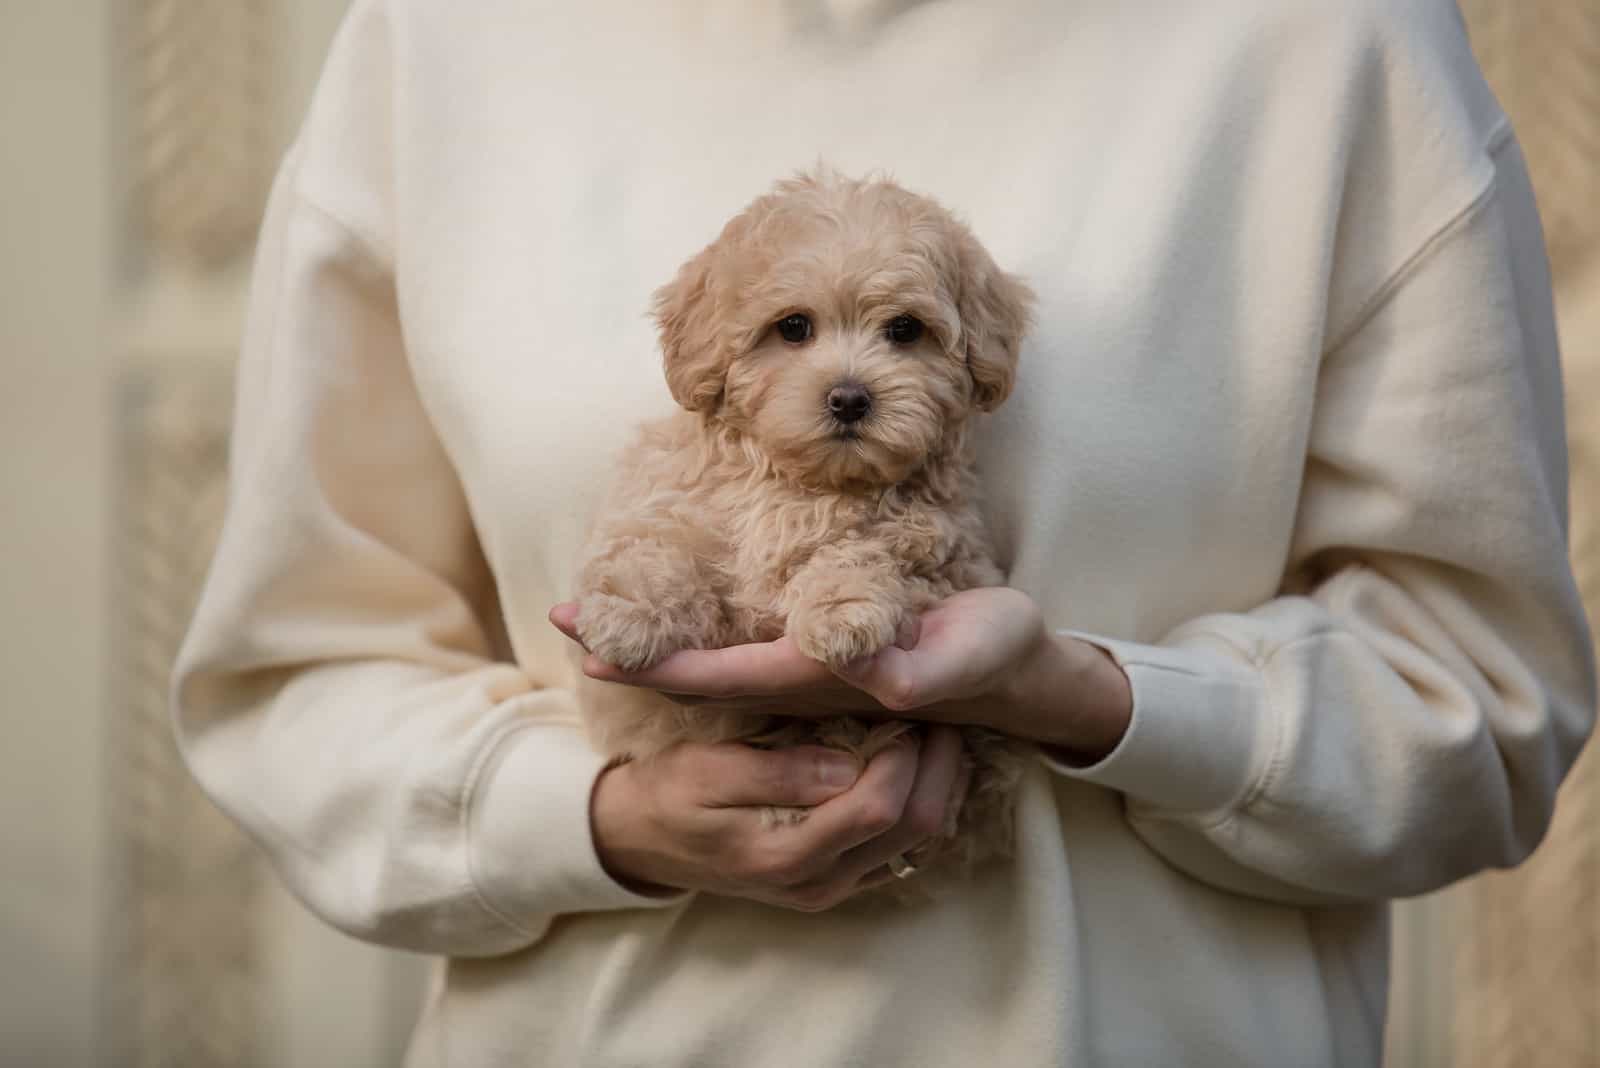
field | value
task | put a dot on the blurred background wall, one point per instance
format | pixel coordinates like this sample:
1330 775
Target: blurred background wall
136 928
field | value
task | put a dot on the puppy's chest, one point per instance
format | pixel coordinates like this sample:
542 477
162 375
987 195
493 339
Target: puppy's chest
765 548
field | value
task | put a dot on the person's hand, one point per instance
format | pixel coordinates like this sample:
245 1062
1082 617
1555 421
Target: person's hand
981 657
692 818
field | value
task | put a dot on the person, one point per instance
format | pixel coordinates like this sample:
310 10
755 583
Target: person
1280 496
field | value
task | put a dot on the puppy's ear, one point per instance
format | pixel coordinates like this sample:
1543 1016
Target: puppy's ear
691 348
996 310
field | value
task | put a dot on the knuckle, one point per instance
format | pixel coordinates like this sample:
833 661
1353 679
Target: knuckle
791 872
746 863
777 867
900 695
879 814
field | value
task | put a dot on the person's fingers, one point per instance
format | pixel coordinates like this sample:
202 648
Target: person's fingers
797 866
926 812
881 676
564 617
736 776
915 681
742 673
882 875
781 863
965 642
871 807
753 669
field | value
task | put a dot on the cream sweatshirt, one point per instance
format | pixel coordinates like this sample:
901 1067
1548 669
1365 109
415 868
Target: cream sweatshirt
1287 441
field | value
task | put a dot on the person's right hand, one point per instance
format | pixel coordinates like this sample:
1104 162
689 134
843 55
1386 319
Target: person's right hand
691 818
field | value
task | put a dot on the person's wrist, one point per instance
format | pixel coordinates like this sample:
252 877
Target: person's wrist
1030 695
1013 693
615 814
1108 705
1071 697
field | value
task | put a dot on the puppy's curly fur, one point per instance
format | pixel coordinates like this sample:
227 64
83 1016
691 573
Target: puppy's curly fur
829 351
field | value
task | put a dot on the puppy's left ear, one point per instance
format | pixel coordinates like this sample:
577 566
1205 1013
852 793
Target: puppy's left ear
996 310
691 348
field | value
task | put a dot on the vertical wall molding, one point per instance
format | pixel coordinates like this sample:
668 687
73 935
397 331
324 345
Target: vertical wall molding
184 965
1543 59
1524 988
202 125
187 976
204 959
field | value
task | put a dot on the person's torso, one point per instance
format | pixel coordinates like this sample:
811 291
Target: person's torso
1174 182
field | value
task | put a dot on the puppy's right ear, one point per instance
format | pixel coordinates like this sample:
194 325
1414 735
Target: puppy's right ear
996 309
692 351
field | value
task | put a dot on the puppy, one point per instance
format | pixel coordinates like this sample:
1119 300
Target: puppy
829 350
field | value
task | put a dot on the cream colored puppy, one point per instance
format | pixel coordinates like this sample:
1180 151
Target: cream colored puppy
829 350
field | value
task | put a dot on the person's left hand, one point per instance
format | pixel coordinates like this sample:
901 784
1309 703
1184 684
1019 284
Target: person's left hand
981 657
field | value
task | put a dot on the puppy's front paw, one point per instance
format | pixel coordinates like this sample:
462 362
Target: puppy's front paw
631 635
840 632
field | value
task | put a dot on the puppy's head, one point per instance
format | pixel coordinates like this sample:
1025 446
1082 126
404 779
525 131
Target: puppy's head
848 328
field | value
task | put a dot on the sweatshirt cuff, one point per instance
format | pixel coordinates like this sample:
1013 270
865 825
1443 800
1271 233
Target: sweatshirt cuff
1196 742
529 836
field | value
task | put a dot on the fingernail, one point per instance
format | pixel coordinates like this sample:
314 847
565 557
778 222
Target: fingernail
837 770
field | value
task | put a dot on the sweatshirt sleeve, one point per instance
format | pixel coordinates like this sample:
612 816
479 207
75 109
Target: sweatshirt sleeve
339 693
1402 716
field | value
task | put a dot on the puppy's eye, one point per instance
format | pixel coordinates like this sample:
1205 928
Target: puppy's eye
795 328
904 329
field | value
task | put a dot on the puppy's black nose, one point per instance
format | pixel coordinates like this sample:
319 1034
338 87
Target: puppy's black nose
849 403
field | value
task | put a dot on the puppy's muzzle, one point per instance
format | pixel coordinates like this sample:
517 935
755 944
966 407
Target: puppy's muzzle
849 402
